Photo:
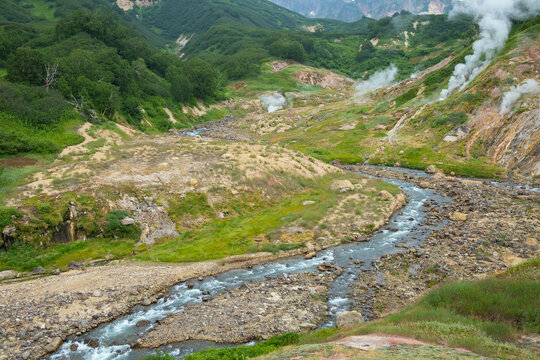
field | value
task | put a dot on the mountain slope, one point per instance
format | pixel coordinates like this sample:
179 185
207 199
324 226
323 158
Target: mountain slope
173 18
350 10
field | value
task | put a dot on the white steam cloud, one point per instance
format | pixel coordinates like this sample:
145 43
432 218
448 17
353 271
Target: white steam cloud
511 97
494 19
273 102
376 81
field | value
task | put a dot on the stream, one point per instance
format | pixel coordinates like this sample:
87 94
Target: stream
117 337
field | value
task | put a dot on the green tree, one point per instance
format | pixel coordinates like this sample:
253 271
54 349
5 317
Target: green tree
202 77
26 65
288 49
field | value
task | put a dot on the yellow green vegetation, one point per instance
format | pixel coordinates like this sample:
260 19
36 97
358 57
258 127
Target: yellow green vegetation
257 224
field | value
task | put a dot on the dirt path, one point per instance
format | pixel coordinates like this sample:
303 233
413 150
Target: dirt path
83 130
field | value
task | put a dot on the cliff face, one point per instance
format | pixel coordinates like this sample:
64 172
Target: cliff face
350 10
129 4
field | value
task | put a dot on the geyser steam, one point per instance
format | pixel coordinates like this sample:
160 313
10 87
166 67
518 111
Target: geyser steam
509 99
273 102
494 19
376 81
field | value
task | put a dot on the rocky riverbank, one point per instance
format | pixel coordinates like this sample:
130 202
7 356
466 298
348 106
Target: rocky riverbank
38 315
489 228
253 311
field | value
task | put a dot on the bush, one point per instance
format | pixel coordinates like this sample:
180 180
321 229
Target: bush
6 213
409 95
455 118
35 106
115 228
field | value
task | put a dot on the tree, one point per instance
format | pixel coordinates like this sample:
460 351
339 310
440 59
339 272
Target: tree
288 49
51 75
202 77
181 88
26 65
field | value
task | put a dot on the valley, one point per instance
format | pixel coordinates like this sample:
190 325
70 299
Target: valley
236 180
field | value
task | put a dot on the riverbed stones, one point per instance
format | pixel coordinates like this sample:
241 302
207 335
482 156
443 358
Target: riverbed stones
349 319
142 323
252 311
489 231
310 255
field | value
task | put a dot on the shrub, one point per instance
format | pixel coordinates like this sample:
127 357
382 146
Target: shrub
115 228
6 214
455 118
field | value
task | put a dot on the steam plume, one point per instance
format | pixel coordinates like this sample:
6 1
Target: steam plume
494 19
273 102
511 97
376 81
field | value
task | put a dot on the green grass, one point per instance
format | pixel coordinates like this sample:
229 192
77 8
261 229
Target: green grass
268 80
234 235
25 257
221 238
11 177
239 352
7 214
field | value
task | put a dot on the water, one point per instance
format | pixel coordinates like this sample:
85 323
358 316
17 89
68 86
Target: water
117 337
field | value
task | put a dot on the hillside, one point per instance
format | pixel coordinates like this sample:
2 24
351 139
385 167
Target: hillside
350 11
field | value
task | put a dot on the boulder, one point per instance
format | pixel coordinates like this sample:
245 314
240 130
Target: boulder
341 186
348 319
7 274
96 293
38 270
310 255
127 221
53 344
439 176
142 323
385 195
307 326
308 202
74 265
424 184
93 343
458 216
432 169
